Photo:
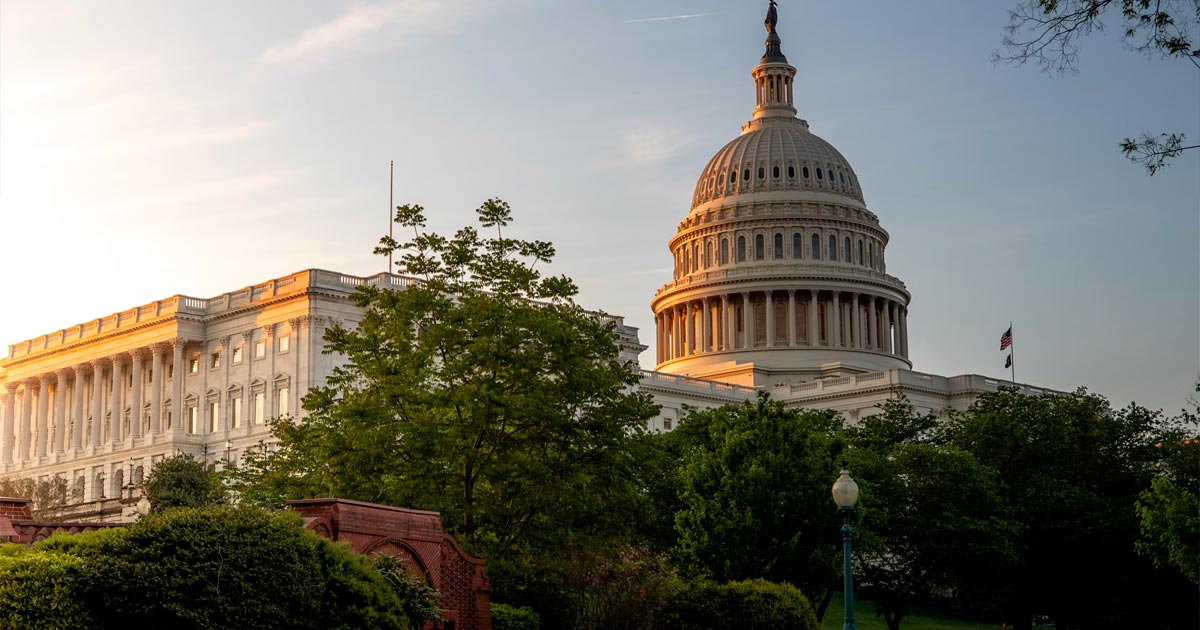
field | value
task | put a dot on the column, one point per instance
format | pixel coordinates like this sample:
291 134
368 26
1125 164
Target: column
97 401
158 351
835 333
269 391
887 326
10 423
791 316
138 357
26 447
727 322
116 410
814 328
689 337
77 393
747 339
872 323
902 312
43 416
60 410
771 319
706 318
178 376
855 321
658 338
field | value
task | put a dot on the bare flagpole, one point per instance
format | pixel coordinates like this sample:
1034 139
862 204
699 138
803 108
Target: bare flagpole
391 221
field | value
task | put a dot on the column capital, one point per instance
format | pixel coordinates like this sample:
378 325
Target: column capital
45 377
64 373
11 387
248 335
98 364
118 358
298 322
160 349
139 353
179 342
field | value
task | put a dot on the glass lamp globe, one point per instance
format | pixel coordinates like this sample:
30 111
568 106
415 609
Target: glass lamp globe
845 491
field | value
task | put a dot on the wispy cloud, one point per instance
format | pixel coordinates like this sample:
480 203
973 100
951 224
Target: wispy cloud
654 143
668 17
363 25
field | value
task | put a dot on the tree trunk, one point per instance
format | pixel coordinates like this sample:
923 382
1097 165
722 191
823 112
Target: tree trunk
893 620
823 605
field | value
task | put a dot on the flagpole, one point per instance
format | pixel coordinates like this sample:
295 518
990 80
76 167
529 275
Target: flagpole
391 222
1012 354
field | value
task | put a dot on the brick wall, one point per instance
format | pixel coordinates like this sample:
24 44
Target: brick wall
417 536
17 524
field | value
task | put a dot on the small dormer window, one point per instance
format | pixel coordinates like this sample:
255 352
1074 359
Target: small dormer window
804 172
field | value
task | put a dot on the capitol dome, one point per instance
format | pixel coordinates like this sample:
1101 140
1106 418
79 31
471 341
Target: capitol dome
779 267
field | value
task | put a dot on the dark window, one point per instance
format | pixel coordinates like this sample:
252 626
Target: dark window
832 247
778 246
746 175
816 247
741 253
797 245
860 260
846 250
775 172
724 251
819 174
759 248
791 172
762 173
732 176
708 259
831 175
804 172
841 177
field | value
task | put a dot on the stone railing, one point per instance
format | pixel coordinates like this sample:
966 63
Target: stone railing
771 270
694 384
947 385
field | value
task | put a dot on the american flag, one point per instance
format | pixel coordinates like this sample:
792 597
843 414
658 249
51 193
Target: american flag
1006 339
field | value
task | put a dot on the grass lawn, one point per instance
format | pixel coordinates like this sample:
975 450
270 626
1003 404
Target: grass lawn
920 618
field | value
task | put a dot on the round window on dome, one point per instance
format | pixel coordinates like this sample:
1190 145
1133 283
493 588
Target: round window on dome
791 172
804 172
819 174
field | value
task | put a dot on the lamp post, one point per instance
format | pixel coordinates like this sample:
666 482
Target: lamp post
845 494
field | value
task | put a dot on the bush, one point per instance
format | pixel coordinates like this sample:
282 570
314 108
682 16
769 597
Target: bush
182 481
505 617
737 605
36 592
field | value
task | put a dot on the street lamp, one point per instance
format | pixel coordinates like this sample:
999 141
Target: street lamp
845 494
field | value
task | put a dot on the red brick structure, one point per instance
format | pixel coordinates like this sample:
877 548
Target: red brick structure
17 524
418 537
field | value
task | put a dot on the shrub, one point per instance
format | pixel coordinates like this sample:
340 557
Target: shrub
505 617
182 481
37 592
737 605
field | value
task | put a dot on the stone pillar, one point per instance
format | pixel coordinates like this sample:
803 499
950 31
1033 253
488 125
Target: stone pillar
178 377
97 401
835 333
43 416
814 327
116 409
689 338
706 321
873 323
26 431
60 410
10 423
158 351
791 317
747 339
887 326
727 321
903 314
138 357
77 393
269 389
855 321
770 308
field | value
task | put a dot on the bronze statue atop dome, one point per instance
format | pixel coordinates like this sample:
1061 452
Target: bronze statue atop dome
772 18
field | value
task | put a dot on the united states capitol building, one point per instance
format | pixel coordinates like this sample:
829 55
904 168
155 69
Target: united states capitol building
780 284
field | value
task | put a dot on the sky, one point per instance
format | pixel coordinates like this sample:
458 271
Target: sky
149 149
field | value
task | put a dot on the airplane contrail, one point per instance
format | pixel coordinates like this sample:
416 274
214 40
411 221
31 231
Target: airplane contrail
669 17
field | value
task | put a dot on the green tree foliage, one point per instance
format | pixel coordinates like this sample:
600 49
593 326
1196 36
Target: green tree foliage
37 591
1070 470
482 392
1046 33
418 600
754 485
738 605
221 567
181 480
47 498
931 514
506 617
1170 507
622 591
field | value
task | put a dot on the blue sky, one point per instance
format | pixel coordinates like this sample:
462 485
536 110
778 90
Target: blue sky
151 148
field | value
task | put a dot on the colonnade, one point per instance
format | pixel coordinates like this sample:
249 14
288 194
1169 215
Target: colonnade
791 318
84 405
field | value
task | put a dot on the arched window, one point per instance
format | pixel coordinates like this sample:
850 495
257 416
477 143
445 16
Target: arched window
797 245
762 173
741 253
746 175
841 177
871 255
732 176
687 260
846 250
695 256
791 172
775 172
831 176
832 247
819 174
860 258
724 251
778 246
759 248
804 172
816 246
708 259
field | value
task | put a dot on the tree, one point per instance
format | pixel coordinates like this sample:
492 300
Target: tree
482 391
1071 470
1045 32
47 497
1170 508
217 567
755 492
181 480
930 514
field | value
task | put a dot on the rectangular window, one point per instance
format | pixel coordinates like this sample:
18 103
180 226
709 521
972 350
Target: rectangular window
285 343
214 410
236 420
237 355
170 371
194 365
260 404
193 420
215 360
666 424
283 401
260 348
